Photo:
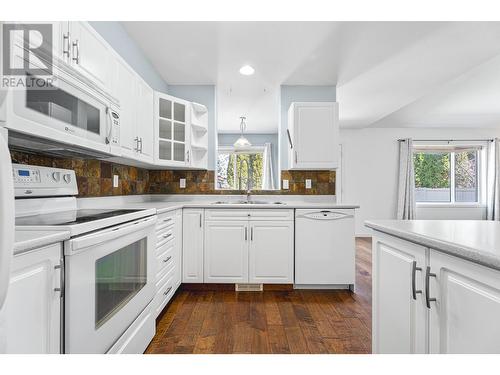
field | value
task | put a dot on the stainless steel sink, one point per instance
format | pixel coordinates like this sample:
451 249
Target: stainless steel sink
247 202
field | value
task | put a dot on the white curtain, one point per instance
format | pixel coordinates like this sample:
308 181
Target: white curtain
493 184
267 166
406 185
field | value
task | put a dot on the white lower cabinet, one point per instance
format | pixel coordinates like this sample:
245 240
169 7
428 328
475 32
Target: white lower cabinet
226 252
248 246
271 252
453 306
33 304
192 245
399 312
464 317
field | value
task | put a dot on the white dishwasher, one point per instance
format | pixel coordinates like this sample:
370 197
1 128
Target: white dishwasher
324 248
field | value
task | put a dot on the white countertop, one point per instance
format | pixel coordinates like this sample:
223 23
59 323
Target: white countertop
164 203
474 240
26 240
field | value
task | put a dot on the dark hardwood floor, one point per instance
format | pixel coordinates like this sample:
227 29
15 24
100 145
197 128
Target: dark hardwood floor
274 321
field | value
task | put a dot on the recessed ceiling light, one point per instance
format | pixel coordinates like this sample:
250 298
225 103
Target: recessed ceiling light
247 70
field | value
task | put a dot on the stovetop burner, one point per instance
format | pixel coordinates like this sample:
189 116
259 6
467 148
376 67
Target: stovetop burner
71 217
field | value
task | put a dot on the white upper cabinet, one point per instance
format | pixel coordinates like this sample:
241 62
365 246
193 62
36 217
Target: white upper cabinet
171 131
136 113
124 87
313 135
144 120
464 315
89 54
399 312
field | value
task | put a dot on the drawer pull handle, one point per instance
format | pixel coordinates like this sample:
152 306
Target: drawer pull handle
167 219
167 235
167 291
167 259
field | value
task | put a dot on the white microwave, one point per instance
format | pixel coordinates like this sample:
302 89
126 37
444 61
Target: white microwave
68 112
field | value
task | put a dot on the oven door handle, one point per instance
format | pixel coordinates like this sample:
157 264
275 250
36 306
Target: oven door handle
83 242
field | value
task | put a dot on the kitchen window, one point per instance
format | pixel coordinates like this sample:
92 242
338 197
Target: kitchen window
239 170
450 173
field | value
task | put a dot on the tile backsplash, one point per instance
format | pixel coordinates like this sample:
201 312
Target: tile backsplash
95 178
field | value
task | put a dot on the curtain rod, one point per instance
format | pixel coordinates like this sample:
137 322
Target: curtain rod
448 140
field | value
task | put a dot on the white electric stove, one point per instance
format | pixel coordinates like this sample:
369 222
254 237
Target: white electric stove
109 261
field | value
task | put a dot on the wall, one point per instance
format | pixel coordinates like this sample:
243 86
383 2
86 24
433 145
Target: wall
289 94
370 165
203 94
227 139
116 35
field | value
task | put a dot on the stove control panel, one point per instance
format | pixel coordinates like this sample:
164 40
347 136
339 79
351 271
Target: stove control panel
35 181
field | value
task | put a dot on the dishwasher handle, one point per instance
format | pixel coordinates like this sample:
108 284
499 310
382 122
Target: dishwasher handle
326 215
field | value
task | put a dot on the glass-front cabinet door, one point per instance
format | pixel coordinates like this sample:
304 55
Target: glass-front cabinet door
171 133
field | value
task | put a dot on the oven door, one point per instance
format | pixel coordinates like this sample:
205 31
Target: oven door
109 282
67 111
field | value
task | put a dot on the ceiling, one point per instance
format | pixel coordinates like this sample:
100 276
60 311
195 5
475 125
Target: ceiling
388 74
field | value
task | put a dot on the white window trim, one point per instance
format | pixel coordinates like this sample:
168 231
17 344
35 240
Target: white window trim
481 180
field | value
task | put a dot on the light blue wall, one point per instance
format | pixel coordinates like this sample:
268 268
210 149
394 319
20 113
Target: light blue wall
203 94
226 139
115 34
291 94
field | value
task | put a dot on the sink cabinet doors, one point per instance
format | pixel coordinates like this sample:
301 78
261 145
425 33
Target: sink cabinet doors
226 252
271 252
248 246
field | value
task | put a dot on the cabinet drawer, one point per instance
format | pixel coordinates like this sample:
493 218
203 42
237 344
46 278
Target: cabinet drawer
249 214
165 220
167 235
166 288
166 261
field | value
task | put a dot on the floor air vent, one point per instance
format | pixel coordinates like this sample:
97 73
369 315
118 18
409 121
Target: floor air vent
249 287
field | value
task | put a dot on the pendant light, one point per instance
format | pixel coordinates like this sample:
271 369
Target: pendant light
242 142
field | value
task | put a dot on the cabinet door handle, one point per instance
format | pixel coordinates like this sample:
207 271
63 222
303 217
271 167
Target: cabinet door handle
187 156
246 234
141 144
289 138
428 275
61 288
251 234
167 259
167 291
136 140
66 41
296 157
414 270
167 235
200 220
76 44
